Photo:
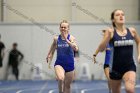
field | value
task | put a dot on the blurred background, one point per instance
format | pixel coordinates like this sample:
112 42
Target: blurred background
33 23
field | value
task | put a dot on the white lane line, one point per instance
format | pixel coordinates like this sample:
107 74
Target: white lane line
19 91
74 85
84 90
11 88
43 88
51 91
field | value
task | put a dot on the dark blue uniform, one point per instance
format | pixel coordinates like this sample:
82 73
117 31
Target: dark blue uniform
122 55
107 56
65 54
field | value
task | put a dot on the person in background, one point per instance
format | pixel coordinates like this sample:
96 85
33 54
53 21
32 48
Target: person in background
106 62
2 47
15 56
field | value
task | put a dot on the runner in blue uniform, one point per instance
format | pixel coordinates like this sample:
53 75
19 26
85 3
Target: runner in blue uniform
106 62
64 65
122 39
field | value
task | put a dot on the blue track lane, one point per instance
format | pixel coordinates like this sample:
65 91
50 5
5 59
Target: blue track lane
30 86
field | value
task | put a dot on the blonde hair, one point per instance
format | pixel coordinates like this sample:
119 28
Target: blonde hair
64 21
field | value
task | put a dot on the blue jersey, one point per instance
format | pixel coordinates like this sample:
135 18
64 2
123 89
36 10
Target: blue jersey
122 51
65 54
108 55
